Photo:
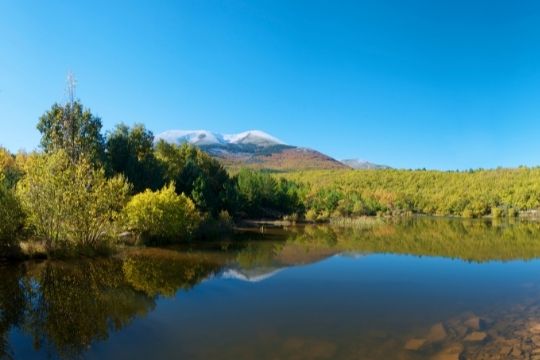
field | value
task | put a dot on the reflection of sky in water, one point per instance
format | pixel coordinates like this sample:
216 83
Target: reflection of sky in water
308 299
338 301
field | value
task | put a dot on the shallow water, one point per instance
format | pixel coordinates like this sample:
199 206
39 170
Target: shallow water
410 289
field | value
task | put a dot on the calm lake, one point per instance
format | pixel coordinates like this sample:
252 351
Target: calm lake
405 289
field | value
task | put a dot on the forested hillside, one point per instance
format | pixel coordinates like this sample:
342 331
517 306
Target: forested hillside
475 193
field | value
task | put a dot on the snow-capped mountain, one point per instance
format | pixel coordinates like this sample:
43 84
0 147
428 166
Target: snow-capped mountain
204 137
195 137
255 137
254 149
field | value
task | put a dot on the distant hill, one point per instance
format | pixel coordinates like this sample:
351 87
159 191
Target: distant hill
363 165
254 149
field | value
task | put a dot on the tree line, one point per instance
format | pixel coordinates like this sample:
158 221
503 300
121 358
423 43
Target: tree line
471 194
85 190
84 187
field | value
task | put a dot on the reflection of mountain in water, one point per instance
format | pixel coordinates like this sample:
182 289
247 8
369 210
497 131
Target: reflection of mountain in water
250 275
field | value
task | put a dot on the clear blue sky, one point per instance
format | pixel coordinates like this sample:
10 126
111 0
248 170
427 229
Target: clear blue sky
436 84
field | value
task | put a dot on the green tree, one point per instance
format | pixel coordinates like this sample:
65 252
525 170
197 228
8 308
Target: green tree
197 175
11 216
71 206
256 191
130 151
9 167
262 195
74 129
162 216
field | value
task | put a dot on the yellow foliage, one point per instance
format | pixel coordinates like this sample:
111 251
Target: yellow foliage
162 216
464 193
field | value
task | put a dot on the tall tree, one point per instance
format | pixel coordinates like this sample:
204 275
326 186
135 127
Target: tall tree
130 151
72 128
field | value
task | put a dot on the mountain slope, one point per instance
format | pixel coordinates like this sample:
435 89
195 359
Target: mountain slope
278 157
254 149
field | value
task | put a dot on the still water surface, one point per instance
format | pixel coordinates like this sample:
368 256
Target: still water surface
409 289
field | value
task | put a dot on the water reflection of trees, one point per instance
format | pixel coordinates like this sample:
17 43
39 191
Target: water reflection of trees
72 305
161 272
67 306
472 240
12 304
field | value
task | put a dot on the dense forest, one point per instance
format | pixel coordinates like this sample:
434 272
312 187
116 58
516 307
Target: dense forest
473 193
87 190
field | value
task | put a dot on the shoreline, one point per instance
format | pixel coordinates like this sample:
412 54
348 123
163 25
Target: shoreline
31 250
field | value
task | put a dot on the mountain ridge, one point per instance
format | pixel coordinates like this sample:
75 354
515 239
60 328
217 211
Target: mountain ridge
205 137
254 149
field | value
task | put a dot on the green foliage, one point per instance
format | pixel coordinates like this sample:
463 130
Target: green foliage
72 207
162 216
11 218
9 168
263 195
350 193
198 176
130 151
73 129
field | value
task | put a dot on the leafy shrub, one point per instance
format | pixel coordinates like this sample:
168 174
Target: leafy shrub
323 216
71 206
512 212
162 216
467 213
497 212
311 215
